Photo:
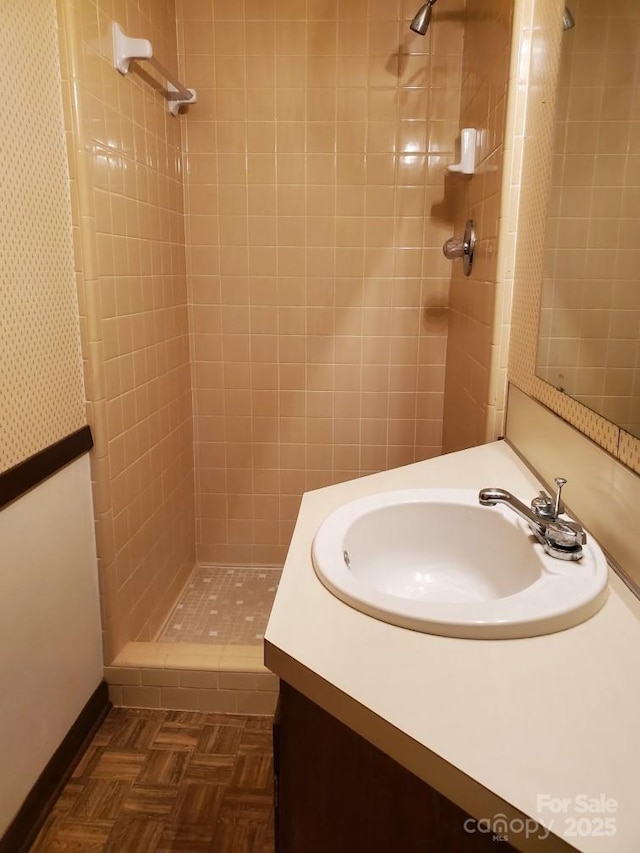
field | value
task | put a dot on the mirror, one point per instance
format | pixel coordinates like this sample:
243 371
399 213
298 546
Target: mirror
589 332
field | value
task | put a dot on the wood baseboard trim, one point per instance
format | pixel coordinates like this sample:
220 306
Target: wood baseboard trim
25 475
25 826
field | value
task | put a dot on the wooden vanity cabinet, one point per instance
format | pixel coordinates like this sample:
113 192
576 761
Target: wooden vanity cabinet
336 793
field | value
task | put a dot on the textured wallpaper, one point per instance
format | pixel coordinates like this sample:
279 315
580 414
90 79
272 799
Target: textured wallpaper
41 391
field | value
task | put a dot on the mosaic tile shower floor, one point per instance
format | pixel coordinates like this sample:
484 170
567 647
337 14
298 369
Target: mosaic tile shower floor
221 605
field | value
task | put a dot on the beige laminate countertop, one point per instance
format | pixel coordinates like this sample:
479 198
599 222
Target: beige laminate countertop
544 728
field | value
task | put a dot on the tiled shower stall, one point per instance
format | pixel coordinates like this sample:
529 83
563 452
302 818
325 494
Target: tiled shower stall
265 307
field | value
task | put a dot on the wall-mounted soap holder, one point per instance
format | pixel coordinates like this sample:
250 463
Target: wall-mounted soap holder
468 151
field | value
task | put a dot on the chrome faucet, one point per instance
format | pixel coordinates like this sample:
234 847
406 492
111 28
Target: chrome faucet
560 538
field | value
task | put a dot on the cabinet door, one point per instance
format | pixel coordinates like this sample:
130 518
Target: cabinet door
337 793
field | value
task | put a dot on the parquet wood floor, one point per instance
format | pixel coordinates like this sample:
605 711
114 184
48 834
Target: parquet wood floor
168 782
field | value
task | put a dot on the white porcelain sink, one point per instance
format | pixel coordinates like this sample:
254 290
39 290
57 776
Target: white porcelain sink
436 561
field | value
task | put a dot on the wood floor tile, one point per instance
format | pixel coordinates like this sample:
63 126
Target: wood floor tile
73 836
87 763
186 839
259 724
186 718
168 782
100 799
136 733
150 801
133 835
237 835
118 765
119 718
255 742
211 769
198 803
68 797
118 714
253 772
241 805
163 767
213 718
104 735
177 736
220 739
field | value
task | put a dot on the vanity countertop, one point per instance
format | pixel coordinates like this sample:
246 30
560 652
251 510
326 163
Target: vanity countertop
543 728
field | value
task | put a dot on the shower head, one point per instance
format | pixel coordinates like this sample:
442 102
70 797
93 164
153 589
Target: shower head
420 23
568 21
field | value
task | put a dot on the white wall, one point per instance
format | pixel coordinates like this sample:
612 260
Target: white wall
50 641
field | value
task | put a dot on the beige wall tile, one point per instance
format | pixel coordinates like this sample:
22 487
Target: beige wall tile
123 675
258 702
200 679
472 370
180 698
238 680
116 695
133 290
319 150
161 677
142 697
220 701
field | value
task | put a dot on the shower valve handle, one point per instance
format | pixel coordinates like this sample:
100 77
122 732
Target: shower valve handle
456 247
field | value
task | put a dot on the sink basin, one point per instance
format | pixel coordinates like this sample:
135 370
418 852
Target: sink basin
436 561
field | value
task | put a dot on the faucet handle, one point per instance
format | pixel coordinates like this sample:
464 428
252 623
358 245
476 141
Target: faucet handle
547 507
566 538
542 505
563 539
558 508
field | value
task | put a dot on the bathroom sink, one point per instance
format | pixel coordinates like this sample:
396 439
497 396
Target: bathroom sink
436 561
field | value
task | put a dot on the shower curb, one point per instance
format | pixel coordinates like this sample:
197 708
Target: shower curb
192 677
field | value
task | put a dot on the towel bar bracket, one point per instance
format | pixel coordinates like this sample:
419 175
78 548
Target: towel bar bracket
126 49
175 100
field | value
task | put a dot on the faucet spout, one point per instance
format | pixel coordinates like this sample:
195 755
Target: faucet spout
560 538
491 497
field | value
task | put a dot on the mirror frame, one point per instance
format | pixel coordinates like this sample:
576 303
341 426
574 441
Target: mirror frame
537 37
587 287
